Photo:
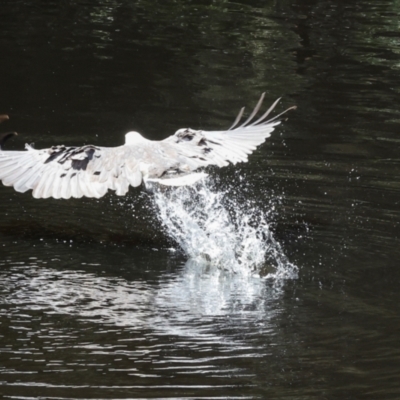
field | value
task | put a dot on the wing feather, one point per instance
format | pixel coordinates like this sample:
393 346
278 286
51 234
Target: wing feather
13 176
8 169
75 190
38 189
254 112
66 188
55 188
86 187
22 185
50 184
83 186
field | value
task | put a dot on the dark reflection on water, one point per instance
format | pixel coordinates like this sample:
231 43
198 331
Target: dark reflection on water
95 304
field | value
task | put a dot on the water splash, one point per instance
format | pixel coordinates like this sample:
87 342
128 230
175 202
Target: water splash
210 224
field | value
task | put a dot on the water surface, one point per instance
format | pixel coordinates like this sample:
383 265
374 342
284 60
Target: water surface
107 299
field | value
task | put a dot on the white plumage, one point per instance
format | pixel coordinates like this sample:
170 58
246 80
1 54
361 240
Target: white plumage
65 172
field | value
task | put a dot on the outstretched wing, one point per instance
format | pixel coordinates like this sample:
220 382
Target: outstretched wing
64 172
233 145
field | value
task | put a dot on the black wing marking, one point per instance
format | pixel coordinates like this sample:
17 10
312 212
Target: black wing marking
79 156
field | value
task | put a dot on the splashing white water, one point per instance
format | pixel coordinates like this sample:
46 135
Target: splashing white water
212 226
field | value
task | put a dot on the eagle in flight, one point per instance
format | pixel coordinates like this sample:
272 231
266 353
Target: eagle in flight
63 172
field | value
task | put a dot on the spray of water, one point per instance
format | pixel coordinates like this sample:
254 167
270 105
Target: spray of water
211 225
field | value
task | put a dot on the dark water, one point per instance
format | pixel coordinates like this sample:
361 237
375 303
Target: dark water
98 302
